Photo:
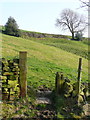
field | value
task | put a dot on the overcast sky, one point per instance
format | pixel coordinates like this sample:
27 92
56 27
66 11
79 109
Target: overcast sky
38 15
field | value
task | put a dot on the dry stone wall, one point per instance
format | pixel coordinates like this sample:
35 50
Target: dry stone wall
9 78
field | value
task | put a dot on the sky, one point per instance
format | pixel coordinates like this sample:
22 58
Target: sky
38 15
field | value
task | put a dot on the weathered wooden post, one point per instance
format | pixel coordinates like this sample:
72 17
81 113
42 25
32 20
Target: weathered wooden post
23 72
0 105
79 79
89 71
59 83
0 86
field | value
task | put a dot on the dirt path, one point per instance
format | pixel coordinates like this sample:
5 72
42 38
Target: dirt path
44 104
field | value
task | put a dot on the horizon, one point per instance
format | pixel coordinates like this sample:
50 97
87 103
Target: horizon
38 16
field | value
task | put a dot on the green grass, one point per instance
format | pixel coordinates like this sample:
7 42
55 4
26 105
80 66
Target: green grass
77 47
45 60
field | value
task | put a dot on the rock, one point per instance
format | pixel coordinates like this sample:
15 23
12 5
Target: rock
68 88
43 100
86 109
80 99
74 93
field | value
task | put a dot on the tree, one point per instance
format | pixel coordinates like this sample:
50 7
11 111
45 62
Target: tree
11 27
72 21
85 3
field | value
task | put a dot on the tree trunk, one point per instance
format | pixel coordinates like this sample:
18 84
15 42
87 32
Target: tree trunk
72 35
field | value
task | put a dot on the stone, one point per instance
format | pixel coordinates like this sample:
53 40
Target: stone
86 109
43 100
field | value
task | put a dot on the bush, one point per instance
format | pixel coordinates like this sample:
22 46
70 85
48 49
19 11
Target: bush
78 36
11 27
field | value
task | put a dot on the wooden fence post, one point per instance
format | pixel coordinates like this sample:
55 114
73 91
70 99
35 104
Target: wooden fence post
79 79
0 98
59 83
23 72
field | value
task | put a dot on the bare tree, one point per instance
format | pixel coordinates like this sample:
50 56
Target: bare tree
72 21
85 3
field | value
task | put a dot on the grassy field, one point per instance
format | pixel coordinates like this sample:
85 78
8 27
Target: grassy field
46 56
61 41
76 47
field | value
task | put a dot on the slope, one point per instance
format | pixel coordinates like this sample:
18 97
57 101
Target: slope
44 61
77 47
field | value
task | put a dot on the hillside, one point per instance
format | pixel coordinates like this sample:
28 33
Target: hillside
60 41
76 47
45 58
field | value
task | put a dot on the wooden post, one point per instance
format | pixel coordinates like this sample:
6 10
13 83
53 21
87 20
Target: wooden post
79 78
0 107
23 72
89 72
59 83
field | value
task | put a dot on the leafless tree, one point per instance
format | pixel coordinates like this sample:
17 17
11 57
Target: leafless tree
85 3
72 21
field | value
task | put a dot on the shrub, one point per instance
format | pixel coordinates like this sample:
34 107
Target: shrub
78 36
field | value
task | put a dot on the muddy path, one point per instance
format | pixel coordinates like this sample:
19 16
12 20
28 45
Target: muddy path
44 103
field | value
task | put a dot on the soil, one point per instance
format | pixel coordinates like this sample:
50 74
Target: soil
44 104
